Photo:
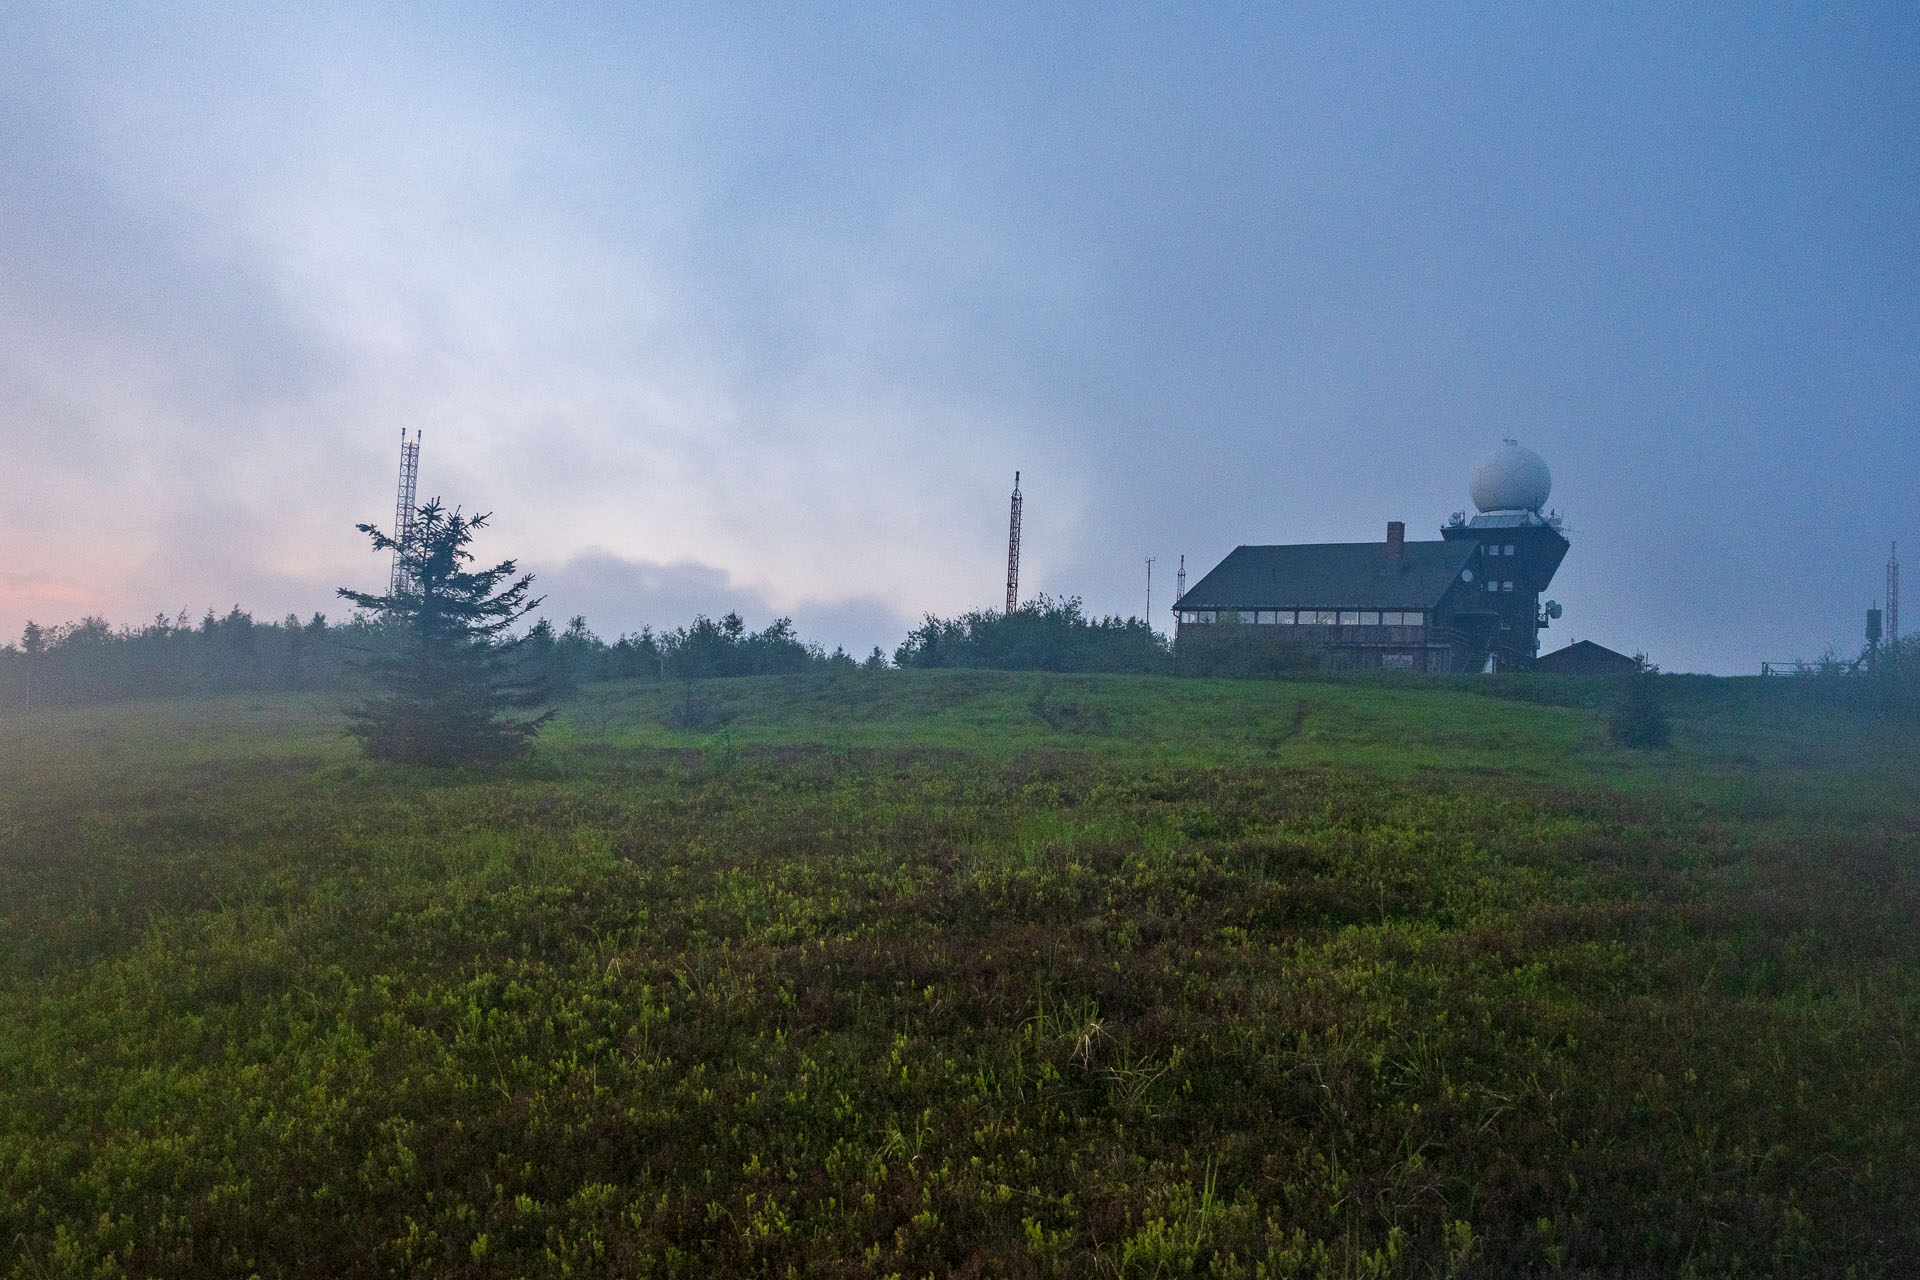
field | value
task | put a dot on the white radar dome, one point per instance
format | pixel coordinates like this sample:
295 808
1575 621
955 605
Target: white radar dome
1511 479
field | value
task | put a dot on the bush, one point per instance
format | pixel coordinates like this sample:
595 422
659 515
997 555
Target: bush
1230 647
1637 714
1041 635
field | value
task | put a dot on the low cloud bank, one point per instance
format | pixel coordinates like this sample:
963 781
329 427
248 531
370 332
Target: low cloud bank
616 595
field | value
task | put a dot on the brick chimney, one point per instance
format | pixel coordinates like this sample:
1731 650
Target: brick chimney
1396 541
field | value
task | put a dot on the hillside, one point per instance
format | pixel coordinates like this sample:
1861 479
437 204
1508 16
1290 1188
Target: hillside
929 972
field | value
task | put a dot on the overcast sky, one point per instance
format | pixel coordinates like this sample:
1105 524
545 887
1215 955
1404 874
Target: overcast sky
761 307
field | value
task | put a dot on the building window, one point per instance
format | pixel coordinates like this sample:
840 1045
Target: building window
1199 615
1369 619
1320 618
1266 617
1249 616
1284 617
1492 585
1507 550
1507 586
1349 618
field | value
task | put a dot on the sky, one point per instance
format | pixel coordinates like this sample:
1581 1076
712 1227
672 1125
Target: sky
759 307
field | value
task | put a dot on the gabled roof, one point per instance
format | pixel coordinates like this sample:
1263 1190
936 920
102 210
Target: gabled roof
1584 658
1331 575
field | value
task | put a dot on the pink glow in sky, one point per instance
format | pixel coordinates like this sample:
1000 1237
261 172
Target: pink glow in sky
762 309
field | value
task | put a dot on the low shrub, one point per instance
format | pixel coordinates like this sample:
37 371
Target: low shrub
1637 714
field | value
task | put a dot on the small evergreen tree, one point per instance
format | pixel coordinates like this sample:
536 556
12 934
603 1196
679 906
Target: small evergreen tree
443 672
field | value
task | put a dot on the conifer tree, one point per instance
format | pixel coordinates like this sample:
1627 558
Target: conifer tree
33 642
443 674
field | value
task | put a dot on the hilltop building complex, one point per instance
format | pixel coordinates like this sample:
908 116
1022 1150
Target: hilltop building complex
1468 602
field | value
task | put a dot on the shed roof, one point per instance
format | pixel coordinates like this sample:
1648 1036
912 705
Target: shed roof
1331 575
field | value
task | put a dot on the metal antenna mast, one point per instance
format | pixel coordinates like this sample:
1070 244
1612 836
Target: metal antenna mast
1180 582
1149 593
1013 549
1893 595
403 506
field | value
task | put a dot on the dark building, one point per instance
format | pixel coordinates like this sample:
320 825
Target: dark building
1585 658
1463 603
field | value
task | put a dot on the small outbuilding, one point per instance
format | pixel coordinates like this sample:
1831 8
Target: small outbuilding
1585 658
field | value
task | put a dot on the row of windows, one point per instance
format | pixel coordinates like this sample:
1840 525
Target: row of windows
1499 550
1315 617
1499 586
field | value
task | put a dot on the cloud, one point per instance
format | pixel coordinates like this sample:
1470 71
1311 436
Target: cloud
351 228
618 595
790 296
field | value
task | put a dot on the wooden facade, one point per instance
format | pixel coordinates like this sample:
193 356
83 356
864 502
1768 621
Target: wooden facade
1467 601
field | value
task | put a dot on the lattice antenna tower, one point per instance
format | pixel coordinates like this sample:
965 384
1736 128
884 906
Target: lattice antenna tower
1180 581
1013 549
403 506
1893 595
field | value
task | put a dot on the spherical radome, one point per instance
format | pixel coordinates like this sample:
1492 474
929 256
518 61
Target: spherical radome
1511 479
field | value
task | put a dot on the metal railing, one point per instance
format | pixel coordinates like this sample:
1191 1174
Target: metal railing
1823 668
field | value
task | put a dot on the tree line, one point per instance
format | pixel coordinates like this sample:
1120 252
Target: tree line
447 631
93 661
1042 635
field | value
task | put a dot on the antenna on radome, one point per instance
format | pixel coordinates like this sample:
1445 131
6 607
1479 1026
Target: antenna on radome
1013 549
403 506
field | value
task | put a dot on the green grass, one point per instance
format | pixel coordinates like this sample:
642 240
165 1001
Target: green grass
964 972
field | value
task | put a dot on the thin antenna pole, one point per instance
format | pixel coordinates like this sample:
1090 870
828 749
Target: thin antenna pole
1180 582
1013 549
1149 593
403 506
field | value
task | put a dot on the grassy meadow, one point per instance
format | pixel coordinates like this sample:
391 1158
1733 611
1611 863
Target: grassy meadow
931 973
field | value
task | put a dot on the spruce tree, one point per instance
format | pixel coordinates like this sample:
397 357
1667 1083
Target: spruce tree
443 673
